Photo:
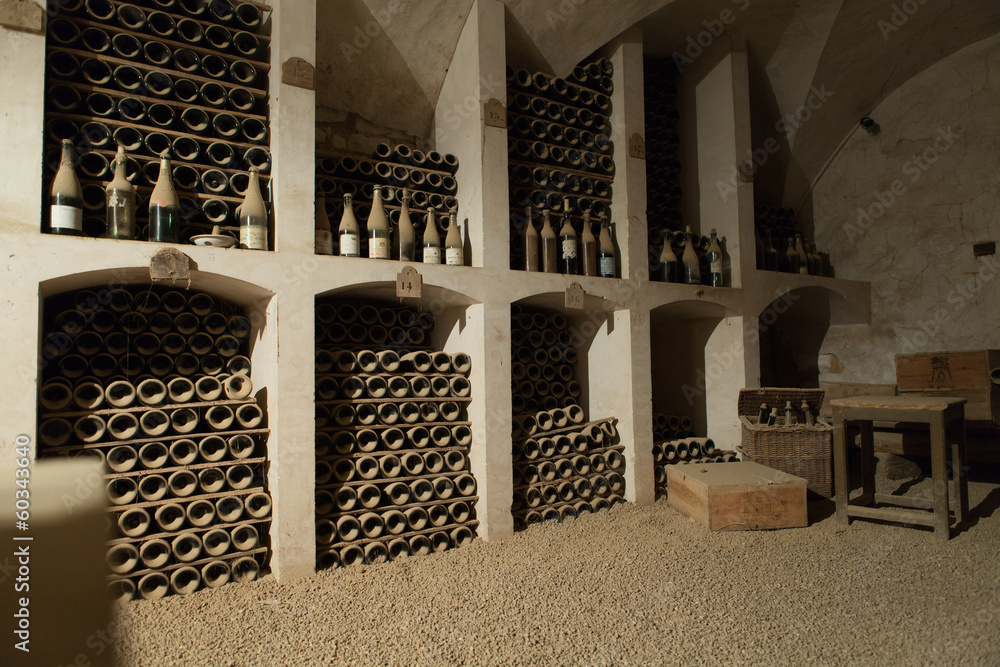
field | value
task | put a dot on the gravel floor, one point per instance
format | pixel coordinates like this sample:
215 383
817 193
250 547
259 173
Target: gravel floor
635 585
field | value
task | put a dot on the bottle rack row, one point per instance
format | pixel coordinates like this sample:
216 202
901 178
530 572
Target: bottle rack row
183 455
694 451
559 159
663 191
154 80
781 246
392 442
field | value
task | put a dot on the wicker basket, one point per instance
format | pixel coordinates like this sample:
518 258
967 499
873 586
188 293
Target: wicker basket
800 450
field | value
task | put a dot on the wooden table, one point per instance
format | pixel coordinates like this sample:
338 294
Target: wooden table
946 419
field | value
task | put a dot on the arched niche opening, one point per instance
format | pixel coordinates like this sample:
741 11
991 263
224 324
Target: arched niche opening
793 328
397 422
157 385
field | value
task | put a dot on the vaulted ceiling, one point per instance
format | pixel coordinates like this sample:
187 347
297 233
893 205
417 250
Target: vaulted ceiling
386 60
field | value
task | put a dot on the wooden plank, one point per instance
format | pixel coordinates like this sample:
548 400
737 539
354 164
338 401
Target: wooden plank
849 389
946 370
904 501
888 514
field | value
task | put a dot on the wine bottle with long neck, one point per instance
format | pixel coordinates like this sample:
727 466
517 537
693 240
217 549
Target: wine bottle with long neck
253 216
550 252
714 261
669 265
791 256
804 263
120 197
164 207
567 244
432 240
454 255
530 242
378 228
348 232
324 231
606 256
66 197
589 243
407 237
692 265
770 254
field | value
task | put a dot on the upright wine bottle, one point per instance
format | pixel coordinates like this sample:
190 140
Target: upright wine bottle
567 244
530 242
770 254
378 228
606 258
453 253
120 197
348 232
791 256
714 261
804 263
589 247
692 266
431 240
66 197
253 216
407 237
324 231
164 207
550 252
668 260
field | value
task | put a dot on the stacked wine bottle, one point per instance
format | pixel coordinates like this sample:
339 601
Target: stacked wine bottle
155 385
392 437
563 465
351 189
780 244
663 191
683 451
559 157
184 77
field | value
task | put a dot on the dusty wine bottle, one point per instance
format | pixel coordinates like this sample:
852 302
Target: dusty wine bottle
349 234
668 260
714 261
324 231
253 216
550 253
530 242
407 237
164 207
378 228
567 244
589 247
120 196
692 266
791 257
803 257
431 240
606 258
66 197
453 253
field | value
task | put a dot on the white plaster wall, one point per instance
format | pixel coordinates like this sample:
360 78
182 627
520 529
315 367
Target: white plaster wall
928 185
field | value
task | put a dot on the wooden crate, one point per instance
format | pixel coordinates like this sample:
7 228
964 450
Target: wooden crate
946 370
850 390
741 495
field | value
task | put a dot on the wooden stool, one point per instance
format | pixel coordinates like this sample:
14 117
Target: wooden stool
946 419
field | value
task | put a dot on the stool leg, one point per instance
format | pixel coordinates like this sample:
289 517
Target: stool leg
960 477
867 464
843 490
939 474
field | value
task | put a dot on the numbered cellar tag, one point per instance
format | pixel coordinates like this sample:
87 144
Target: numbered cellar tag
574 296
494 113
409 283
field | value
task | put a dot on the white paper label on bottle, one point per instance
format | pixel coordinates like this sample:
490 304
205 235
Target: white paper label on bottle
324 242
454 257
432 255
716 266
253 237
349 245
569 248
607 267
378 248
66 217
